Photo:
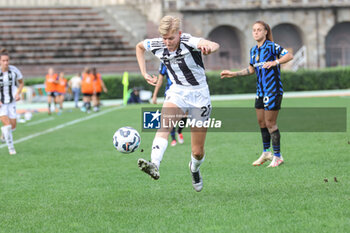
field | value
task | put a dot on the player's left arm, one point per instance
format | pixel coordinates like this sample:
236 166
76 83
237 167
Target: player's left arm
207 46
285 57
19 90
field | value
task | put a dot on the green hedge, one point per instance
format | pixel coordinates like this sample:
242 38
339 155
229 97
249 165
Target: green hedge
302 80
324 79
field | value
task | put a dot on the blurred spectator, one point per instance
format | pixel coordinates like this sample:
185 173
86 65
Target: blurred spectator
135 96
51 82
99 85
87 88
61 89
75 85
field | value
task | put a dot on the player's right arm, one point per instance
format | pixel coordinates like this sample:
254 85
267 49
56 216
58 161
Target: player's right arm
140 55
231 74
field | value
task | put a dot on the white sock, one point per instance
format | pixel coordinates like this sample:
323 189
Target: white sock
158 148
196 163
7 132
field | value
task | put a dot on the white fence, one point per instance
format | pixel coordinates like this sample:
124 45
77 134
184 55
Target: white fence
299 60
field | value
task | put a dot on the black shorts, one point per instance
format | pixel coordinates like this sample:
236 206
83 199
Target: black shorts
269 102
87 95
53 94
98 94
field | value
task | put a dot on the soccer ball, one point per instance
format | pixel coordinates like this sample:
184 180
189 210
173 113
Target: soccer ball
126 140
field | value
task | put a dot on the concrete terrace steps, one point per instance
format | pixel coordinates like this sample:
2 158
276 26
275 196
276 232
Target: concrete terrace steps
57 35
45 10
131 19
70 60
49 18
55 24
64 42
78 47
67 38
77 53
38 30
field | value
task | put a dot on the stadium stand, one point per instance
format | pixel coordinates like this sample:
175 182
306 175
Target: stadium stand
66 38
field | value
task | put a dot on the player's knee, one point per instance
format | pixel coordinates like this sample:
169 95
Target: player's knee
162 134
270 124
198 152
261 123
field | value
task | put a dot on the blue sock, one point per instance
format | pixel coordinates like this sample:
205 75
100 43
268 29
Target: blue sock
172 133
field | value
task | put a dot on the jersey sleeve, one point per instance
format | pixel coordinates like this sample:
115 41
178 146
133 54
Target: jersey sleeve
190 40
162 69
251 62
153 44
18 72
280 51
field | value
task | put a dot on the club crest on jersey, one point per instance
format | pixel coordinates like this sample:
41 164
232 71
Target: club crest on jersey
257 58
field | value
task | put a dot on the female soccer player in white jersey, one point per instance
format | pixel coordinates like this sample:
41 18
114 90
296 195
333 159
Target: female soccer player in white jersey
265 60
182 55
9 94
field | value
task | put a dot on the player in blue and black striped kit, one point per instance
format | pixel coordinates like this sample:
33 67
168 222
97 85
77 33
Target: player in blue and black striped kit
265 60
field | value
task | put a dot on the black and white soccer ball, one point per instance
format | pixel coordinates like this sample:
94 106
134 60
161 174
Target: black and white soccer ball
126 140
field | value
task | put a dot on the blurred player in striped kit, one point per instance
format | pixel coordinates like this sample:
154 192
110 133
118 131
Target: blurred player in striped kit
11 85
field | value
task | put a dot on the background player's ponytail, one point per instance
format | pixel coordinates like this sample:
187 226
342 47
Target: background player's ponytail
267 28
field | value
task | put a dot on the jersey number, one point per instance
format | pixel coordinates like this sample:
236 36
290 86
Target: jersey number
206 111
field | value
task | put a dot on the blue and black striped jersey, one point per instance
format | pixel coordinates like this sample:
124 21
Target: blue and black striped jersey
163 71
268 80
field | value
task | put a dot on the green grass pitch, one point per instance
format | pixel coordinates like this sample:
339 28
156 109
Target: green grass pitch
73 180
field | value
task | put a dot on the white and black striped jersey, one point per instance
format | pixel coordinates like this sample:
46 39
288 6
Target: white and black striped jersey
185 65
8 84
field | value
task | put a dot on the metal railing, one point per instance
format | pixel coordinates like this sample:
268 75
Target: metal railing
299 60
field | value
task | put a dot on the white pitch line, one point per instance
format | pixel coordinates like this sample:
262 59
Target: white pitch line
39 121
62 126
